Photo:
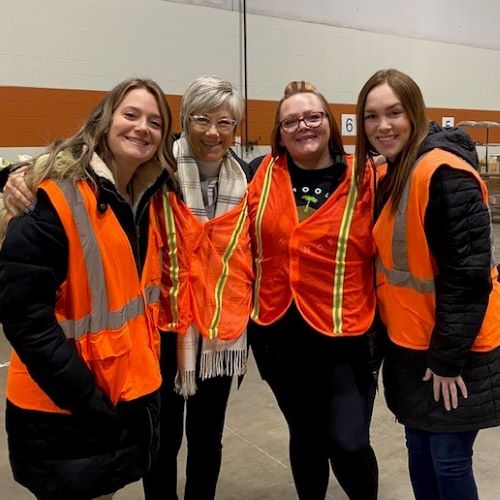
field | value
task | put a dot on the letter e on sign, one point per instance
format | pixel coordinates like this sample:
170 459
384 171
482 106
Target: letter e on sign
348 124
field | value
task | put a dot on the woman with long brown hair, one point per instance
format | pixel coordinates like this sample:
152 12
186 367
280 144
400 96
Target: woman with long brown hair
437 288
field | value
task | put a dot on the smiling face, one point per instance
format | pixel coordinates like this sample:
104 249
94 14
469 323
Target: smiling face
386 123
210 144
307 146
136 129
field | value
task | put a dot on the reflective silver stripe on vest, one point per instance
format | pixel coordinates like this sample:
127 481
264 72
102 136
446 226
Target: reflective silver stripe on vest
401 275
399 241
100 317
405 279
152 294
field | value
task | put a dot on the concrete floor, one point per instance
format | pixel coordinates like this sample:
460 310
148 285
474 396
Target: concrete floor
255 464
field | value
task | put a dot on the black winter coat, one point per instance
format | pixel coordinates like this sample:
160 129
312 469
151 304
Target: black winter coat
458 229
97 449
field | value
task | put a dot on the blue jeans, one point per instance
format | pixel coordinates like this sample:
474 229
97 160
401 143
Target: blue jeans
441 465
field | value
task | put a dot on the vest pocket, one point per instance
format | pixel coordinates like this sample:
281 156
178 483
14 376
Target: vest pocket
107 344
107 356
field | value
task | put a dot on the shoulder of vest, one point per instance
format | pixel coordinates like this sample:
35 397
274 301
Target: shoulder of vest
437 157
428 163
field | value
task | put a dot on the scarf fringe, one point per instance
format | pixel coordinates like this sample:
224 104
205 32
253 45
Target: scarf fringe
217 363
185 383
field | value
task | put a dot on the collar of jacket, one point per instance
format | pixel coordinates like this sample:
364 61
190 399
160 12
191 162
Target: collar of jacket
145 183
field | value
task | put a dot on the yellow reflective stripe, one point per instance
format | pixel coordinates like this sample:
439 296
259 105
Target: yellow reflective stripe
172 259
264 196
340 256
222 280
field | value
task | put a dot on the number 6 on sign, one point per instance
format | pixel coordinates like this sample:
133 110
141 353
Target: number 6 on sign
348 124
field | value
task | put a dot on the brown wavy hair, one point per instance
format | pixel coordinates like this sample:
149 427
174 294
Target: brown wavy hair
91 138
413 104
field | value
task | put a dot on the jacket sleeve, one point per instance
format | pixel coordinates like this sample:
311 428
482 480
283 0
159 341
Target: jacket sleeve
457 225
33 264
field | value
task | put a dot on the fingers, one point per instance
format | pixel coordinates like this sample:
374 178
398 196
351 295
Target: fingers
17 196
14 206
446 395
436 387
447 387
453 395
462 387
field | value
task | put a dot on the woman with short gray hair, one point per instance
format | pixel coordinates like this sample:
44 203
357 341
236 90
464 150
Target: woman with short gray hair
206 343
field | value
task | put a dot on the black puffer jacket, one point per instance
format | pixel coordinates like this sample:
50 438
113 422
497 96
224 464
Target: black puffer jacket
98 449
457 226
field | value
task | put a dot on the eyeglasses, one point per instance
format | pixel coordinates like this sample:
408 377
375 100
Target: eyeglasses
222 124
311 120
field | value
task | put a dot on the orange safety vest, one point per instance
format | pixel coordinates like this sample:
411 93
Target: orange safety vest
406 267
324 263
104 308
207 270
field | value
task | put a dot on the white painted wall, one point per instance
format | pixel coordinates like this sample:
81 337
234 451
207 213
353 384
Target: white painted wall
93 44
48 44
464 22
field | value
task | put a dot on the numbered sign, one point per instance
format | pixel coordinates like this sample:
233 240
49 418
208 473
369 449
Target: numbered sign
448 121
348 124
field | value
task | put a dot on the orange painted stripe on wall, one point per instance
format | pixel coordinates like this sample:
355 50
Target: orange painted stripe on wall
34 117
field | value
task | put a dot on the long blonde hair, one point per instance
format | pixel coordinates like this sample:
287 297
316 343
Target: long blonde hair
70 158
412 101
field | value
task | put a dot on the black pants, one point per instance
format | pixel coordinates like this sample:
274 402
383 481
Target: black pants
205 414
325 390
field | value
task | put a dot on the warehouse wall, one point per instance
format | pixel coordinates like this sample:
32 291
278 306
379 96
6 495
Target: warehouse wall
57 57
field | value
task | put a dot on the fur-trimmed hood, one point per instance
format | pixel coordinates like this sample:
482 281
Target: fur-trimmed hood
144 178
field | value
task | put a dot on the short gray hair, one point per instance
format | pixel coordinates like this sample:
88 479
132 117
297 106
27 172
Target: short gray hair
207 93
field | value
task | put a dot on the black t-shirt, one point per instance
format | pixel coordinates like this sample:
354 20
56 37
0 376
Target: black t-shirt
311 188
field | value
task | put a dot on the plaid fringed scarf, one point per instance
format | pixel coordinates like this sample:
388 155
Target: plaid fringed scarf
218 357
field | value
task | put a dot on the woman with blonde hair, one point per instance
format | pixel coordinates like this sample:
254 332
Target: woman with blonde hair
205 287
437 286
79 294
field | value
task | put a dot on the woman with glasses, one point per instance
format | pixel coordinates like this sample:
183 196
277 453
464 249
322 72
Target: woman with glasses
311 209
206 288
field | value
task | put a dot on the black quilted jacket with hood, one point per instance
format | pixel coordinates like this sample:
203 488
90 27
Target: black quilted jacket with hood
98 449
457 226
